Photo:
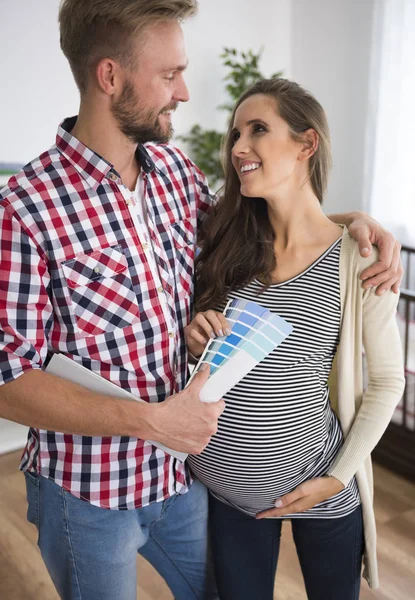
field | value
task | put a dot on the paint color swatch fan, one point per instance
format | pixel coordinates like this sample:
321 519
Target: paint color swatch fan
255 332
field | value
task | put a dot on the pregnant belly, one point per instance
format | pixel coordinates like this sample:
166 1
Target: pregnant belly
252 471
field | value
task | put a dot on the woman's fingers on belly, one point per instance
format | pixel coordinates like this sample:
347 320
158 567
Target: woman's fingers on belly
295 501
305 496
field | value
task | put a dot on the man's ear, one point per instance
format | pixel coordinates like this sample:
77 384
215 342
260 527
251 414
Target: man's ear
309 144
107 73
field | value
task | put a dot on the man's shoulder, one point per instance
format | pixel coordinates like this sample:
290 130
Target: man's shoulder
174 164
23 186
171 157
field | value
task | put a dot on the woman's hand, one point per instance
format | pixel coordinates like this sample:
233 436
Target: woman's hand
204 326
305 496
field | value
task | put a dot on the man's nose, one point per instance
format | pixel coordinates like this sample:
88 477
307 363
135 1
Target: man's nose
181 92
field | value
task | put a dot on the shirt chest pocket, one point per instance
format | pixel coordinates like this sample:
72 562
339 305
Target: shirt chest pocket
101 291
184 248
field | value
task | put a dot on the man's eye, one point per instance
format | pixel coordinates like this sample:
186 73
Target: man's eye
169 77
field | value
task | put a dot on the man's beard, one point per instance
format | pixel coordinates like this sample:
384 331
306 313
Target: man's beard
147 128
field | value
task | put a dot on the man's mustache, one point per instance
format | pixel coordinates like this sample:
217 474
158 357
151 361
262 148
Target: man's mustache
168 108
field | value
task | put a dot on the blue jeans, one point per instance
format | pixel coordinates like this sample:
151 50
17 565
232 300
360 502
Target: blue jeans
91 552
245 554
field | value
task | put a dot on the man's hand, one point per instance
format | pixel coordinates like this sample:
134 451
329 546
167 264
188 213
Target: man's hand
183 422
305 496
387 273
204 326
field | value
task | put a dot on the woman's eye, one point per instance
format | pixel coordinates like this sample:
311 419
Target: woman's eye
259 128
236 137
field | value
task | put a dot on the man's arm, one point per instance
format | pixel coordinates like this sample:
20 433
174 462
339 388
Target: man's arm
387 272
44 401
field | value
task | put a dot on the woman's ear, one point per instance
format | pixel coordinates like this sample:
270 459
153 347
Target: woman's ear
309 144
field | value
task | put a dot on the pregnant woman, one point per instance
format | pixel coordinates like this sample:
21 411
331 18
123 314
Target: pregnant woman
288 444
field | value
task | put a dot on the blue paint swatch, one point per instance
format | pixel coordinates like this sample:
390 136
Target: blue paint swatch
254 329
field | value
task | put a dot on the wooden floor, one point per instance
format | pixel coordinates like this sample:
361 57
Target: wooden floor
24 577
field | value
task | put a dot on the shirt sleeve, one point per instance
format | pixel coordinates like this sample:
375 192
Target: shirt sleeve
25 307
383 349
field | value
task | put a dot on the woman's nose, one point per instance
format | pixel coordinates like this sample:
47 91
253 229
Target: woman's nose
240 147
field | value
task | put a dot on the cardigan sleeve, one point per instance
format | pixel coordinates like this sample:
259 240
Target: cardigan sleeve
386 382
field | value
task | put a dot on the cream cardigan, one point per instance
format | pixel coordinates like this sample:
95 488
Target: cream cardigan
367 321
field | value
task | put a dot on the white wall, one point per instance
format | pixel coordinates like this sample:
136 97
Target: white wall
324 44
38 90
233 23
12 436
331 43
37 86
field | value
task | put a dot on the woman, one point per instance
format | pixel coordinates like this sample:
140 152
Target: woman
286 447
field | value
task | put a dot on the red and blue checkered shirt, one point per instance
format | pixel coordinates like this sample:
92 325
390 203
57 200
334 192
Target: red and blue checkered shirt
78 277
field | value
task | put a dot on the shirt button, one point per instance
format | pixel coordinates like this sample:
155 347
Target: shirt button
160 290
145 246
171 334
97 270
113 177
128 202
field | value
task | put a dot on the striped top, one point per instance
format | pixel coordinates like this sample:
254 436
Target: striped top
278 429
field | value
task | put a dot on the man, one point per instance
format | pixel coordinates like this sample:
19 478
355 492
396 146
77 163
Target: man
97 240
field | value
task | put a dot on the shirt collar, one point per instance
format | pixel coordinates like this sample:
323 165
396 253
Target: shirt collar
144 158
90 165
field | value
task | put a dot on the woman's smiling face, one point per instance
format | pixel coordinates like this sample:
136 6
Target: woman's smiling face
264 154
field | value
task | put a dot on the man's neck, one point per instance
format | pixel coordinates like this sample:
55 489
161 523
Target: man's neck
99 132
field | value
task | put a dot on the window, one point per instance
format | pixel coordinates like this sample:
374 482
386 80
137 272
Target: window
390 148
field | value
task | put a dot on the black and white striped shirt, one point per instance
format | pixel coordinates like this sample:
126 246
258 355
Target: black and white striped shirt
278 429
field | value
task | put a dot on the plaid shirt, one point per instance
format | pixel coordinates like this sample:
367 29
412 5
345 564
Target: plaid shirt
78 277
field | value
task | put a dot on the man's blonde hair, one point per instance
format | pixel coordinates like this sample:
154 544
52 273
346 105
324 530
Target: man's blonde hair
95 29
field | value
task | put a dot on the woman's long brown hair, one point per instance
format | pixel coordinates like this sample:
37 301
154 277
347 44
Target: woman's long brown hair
237 240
